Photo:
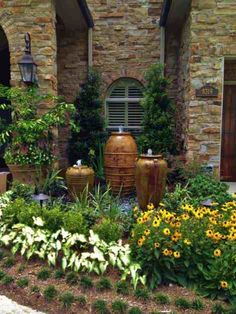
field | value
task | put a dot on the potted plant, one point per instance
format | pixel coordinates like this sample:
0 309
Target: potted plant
29 136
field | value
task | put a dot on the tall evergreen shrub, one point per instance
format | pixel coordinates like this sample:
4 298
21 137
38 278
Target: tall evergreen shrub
85 144
158 125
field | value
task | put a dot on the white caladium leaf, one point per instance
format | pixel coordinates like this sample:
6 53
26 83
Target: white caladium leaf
41 253
29 253
93 238
64 263
103 267
38 221
124 258
52 258
6 239
77 264
112 259
97 254
18 226
72 260
65 234
81 238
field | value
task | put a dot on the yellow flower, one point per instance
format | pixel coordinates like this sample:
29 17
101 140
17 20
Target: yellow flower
166 231
163 205
209 233
187 241
234 195
140 220
150 206
224 284
185 216
165 252
156 245
135 209
213 220
147 232
177 254
178 224
140 242
217 252
156 222
233 217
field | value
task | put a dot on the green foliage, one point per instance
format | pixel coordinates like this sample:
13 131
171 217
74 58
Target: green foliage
59 273
85 143
142 293
44 274
206 187
100 307
9 262
175 199
119 307
21 268
2 254
197 305
2 274
108 230
135 310
182 303
86 282
67 298
158 119
30 136
81 299
218 308
22 282
74 222
50 293
72 278
20 190
161 298
7 280
122 287
53 184
35 289
104 283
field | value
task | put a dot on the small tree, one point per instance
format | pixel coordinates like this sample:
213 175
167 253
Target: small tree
158 119
85 144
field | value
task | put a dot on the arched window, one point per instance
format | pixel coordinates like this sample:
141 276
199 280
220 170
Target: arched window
123 105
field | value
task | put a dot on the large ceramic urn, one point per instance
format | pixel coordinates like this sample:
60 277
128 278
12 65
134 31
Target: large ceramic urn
77 178
150 179
119 157
28 174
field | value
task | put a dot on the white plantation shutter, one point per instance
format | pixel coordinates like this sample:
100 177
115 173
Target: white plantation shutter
123 105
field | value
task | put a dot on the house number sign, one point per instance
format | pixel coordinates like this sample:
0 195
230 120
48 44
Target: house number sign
207 91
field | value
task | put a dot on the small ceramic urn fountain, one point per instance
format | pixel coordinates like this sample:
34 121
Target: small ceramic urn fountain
150 179
78 177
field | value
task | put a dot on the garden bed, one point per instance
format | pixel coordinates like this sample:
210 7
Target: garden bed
36 300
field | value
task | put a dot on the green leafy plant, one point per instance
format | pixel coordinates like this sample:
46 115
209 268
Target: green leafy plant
7 280
30 136
158 123
74 222
100 307
67 298
161 298
50 293
22 282
135 310
72 278
98 162
2 254
108 230
86 282
20 190
197 305
44 274
9 262
122 287
2 274
218 308
85 143
81 299
182 303
119 306
59 273
142 293
104 284
21 268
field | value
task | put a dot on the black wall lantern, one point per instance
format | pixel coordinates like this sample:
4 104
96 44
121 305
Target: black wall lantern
28 67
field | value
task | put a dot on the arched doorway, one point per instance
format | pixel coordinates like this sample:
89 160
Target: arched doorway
5 71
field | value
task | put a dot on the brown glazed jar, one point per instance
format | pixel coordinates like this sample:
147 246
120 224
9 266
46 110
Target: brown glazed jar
119 159
77 178
150 179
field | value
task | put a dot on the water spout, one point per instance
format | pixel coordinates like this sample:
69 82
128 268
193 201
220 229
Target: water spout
121 128
149 152
78 163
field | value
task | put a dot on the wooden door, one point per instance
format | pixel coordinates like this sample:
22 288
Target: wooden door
228 146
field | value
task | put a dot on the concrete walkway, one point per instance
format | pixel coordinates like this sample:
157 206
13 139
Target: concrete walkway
8 306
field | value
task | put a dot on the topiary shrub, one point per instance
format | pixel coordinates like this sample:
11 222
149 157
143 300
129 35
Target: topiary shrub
108 230
158 123
74 222
85 143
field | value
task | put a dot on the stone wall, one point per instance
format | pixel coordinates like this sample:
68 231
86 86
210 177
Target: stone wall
126 38
213 35
20 16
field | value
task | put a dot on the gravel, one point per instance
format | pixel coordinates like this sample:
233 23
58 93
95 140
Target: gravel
8 306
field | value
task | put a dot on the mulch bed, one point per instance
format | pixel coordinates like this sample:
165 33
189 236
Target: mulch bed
37 301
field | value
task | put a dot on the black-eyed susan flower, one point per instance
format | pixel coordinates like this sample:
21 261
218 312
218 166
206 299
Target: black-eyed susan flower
187 242
224 284
217 252
150 206
157 245
166 231
176 254
140 220
156 222
146 232
165 252
209 233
